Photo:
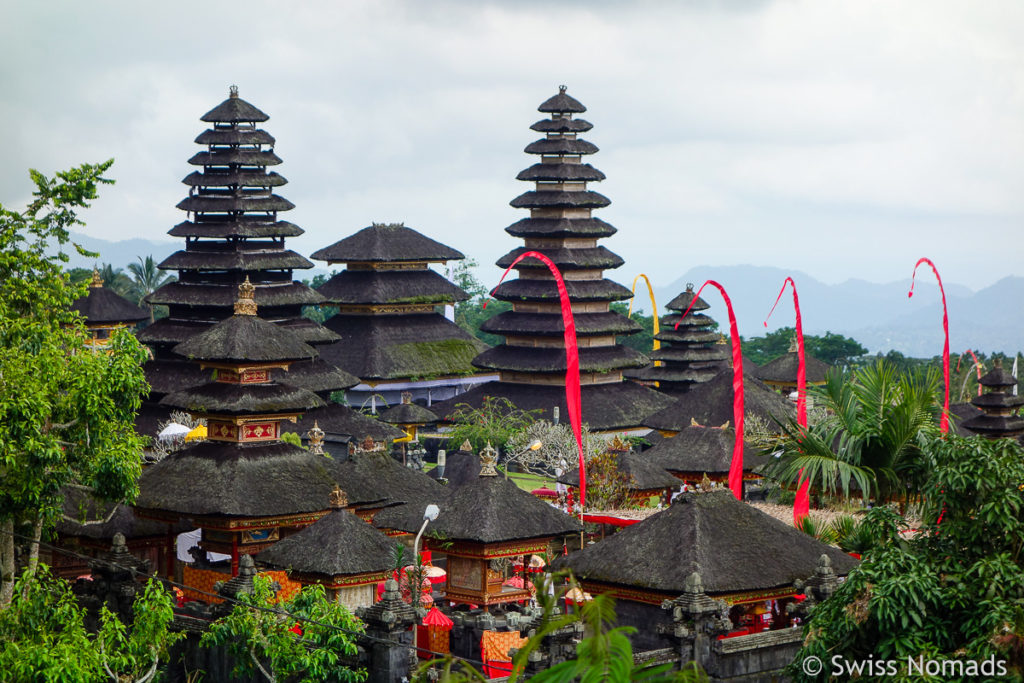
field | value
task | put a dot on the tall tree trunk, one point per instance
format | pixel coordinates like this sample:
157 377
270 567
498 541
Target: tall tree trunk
6 562
33 549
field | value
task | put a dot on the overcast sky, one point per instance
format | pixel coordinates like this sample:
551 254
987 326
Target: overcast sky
843 139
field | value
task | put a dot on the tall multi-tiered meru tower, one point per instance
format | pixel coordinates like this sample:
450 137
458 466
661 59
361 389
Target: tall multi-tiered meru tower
532 361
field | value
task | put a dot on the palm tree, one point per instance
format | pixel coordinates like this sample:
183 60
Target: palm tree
116 280
148 278
872 434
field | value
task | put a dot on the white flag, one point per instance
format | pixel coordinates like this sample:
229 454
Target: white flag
1015 373
449 309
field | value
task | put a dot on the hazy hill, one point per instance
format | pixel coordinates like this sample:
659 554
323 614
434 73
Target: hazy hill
120 254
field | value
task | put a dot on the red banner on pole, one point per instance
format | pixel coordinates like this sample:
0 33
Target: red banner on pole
944 420
736 467
572 359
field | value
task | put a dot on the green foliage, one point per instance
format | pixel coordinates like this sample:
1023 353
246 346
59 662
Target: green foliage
642 341
146 279
257 633
319 314
956 590
292 438
43 635
871 434
834 349
495 422
471 313
66 414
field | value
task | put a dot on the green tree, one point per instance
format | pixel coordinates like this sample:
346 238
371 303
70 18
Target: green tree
874 422
955 591
147 279
494 422
471 314
642 341
319 314
43 635
834 349
117 280
66 414
259 634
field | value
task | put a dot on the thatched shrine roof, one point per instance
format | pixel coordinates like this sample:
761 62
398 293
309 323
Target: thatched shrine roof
169 375
316 375
387 244
395 347
338 544
205 294
270 259
234 110
551 324
238 480
561 227
408 414
710 403
533 359
394 287
234 136
461 467
605 407
252 227
702 450
570 199
565 259
101 305
997 378
245 338
569 146
644 473
220 398
561 172
734 547
784 369
376 476
546 290
562 125
337 419
561 104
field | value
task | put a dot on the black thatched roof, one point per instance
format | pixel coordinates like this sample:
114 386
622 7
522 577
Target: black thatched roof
998 378
702 449
710 403
271 259
229 203
562 126
102 305
533 359
234 156
376 476
561 104
561 172
387 244
238 480
220 398
234 110
682 302
561 227
392 347
545 290
958 413
784 369
221 178
166 375
605 407
577 199
492 510
687 335
994 425
461 467
101 520
550 324
692 354
341 420
309 331
383 287
645 474
234 136
566 259
317 376
149 417
664 373
733 546
339 544
245 338
408 414
241 228
561 146
207 294
693 320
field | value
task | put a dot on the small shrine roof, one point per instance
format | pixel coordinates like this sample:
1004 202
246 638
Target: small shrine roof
234 110
682 301
551 325
408 413
245 338
566 259
102 305
241 399
702 449
390 287
534 359
645 474
387 243
250 228
545 290
337 419
561 104
784 369
561 227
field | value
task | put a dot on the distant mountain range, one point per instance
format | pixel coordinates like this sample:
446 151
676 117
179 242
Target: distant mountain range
879 316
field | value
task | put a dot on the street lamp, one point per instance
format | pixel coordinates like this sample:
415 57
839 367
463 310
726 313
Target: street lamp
535 445
430 513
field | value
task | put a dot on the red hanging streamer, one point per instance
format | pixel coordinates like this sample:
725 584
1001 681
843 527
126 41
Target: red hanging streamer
572 359
736 468
802 504
944 420
977 367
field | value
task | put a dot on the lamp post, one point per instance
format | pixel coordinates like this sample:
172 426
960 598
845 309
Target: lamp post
430 513
535 445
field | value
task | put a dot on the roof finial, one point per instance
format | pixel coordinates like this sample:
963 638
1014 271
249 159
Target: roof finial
97 279
246 304
689 287
793 348
337 499
488 459
316 439
406 397
233 92
562 89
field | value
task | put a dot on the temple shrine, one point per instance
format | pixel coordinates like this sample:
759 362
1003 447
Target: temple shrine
999 406
691 354
106 311
389 332
698 452
531 362
781 373
243 486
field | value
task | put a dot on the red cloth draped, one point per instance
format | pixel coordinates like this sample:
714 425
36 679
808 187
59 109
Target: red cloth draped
944 420
572 359
802 504
736 467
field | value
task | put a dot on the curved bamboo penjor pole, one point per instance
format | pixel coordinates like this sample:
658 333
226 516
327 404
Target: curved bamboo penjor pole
654 309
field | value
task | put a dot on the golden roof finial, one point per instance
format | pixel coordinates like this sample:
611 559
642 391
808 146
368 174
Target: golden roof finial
793 348
705 483
246 304
617 444
466 447
316 439
406 397
488 459
97 279
694 423
721 340
337 499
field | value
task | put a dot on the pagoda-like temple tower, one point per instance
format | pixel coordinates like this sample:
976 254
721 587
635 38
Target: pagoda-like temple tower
1000 407
532 362
691 354
233 234
243 486
390 335
781 374
105 311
